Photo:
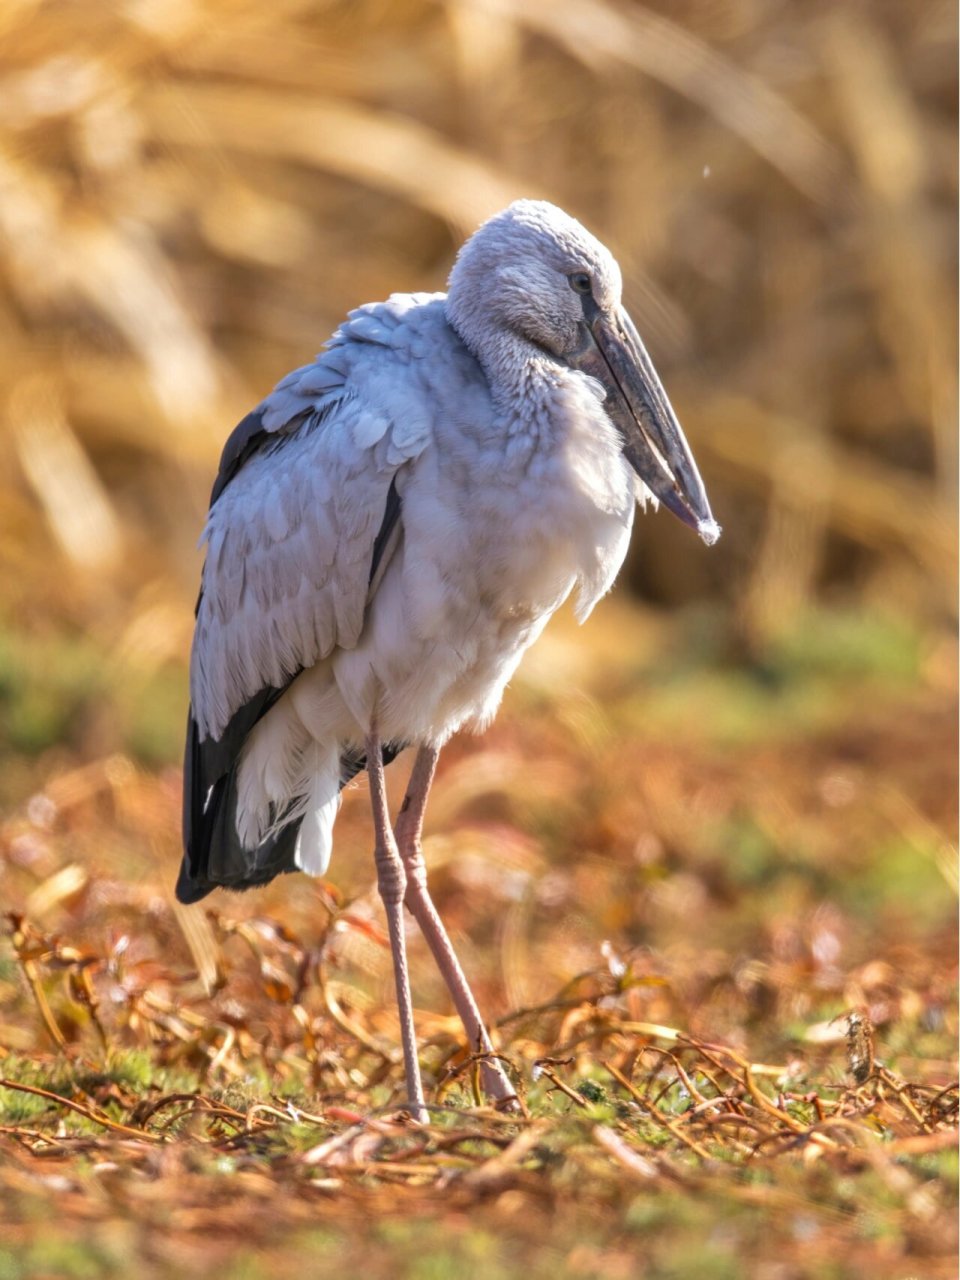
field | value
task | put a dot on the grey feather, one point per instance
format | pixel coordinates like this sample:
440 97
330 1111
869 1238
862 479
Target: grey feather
275 594
297 498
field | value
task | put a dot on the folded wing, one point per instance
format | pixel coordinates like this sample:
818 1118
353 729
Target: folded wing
301 515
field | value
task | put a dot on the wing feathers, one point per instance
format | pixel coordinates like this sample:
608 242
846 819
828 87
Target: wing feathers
304 512
308 508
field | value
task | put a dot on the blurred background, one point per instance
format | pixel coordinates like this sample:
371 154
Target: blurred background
758 739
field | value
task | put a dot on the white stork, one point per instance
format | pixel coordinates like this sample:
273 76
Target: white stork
389 531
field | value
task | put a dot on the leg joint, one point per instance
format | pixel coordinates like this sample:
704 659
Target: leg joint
391 876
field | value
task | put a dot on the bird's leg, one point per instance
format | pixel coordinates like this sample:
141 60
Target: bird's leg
391 881
409 827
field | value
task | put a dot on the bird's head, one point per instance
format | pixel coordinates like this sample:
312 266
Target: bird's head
534 273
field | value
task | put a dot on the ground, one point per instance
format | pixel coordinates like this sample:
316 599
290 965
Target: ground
707 902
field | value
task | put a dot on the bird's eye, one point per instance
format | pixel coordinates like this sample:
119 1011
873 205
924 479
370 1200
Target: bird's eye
580 282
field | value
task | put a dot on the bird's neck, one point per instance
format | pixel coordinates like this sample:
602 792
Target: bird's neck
527 395
524 383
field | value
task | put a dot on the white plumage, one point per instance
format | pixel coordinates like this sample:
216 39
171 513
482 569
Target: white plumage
396 523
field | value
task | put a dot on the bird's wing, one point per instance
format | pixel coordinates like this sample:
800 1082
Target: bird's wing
301 513
301 517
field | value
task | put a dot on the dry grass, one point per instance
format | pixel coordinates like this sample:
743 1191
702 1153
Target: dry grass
698 842
194 194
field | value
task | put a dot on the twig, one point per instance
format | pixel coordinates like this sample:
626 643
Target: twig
107 1123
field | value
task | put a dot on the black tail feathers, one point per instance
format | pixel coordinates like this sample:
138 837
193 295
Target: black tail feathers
213 855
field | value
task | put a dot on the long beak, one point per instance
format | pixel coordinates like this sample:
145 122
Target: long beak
653 443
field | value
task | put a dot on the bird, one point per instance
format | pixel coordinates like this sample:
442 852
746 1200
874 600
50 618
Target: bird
389 531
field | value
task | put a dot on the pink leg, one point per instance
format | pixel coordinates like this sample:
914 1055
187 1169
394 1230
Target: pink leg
408 831
392 883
